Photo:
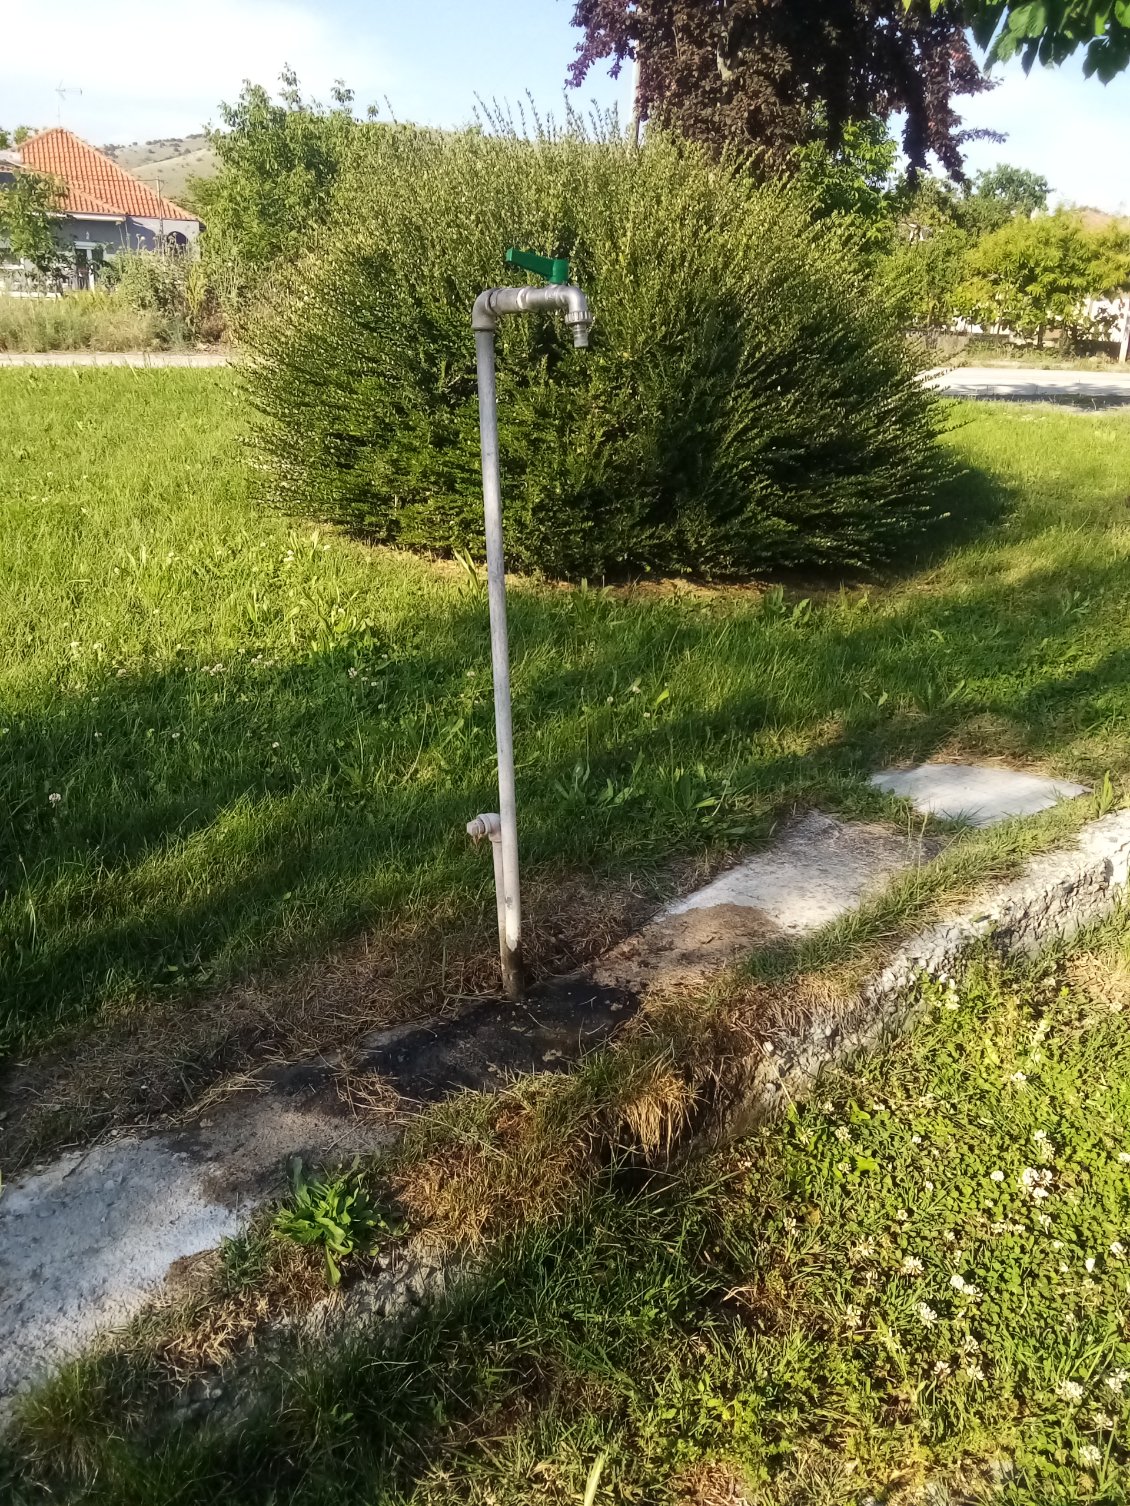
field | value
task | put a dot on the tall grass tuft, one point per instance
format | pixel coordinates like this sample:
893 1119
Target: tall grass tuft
746 404
78 321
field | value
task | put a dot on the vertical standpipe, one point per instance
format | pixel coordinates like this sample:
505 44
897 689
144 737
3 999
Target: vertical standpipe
502 828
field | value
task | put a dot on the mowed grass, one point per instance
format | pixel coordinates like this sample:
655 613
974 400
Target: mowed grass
914 1288
227 739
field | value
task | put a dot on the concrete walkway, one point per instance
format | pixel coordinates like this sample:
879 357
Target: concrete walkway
1028 384
153 358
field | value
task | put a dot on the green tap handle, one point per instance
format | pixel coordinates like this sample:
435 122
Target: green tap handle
555 269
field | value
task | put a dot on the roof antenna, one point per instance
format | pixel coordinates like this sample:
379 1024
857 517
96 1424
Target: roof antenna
62 93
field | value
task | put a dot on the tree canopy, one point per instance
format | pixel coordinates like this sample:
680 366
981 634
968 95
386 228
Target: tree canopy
1049 31
773 74
278 160
27 206
1035 272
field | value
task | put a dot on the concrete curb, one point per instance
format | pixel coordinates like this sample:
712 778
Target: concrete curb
1058 894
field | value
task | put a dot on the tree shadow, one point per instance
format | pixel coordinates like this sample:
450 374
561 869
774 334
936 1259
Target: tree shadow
265 812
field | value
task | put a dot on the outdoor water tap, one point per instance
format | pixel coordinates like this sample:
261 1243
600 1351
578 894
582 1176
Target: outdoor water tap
561 296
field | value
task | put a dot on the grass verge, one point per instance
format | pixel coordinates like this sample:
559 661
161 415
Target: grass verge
913 1288
227 742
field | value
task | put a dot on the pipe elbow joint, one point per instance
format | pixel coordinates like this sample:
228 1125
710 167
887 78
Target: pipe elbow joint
483 316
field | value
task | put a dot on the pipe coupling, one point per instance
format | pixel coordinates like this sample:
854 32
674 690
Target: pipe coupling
489 825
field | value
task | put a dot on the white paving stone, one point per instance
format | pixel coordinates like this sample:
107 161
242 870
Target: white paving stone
977 793
815 871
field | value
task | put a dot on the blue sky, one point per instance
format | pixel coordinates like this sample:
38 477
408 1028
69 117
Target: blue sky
149 69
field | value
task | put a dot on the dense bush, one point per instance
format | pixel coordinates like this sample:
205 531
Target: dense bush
746 402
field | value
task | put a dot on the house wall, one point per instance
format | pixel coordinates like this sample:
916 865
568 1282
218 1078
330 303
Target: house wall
94 240
128 233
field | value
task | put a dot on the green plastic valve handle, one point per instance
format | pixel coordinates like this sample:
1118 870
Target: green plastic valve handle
555 269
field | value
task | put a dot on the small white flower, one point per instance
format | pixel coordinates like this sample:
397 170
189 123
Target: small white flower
1020 1077
1117 1249
957 1281
996 1176
916 1139
851 1318
926 1314
54 799
842 1133
902 1215
1103 1420
1124 1157
1070 1391
353 674
1040 1136
1089 1264
1036 1181
911 1266
973 1372
929 1186
1116 1380
274 745
969 1345
941 1369
1090 1453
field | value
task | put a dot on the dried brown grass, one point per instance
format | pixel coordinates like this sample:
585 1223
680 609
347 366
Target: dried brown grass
149 1063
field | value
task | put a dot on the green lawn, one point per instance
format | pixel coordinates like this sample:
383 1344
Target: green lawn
227 739
913 1289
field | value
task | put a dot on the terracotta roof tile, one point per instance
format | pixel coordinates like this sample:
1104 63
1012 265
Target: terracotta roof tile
94 184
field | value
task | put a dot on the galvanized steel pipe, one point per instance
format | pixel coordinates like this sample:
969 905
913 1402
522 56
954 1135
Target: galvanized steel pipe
490 306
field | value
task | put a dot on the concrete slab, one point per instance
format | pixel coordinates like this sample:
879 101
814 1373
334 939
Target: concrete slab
977 793
1028 384
87 1241
817 869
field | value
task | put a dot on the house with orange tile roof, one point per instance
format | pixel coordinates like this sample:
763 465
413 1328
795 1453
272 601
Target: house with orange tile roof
102 209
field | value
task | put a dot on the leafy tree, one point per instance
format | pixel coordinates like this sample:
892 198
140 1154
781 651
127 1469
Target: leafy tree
16 137
1049 31
27 207
999 195
854 180
1032 274
927 204
774 74
278 162
923 276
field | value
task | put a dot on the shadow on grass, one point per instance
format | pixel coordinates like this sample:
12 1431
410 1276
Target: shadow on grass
207 821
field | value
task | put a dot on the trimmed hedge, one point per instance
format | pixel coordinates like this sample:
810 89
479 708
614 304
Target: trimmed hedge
746 403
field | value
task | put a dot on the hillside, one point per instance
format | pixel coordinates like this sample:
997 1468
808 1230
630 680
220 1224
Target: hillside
167 163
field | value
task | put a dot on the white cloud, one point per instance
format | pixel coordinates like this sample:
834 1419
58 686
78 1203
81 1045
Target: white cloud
147 68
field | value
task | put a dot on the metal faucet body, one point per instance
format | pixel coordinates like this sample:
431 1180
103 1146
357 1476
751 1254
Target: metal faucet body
565 298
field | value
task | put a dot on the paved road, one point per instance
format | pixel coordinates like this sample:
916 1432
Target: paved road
114 358
1028 383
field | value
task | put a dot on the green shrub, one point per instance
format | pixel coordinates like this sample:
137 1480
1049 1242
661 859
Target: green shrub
746 402
173 286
